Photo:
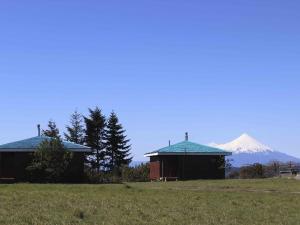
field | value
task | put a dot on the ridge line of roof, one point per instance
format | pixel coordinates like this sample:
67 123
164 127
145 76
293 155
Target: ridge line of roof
195 148
194 144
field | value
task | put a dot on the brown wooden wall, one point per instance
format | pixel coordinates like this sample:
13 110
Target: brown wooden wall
13 165
187 167
76 168
154 168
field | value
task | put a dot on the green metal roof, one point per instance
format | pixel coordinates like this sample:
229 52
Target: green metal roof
32 144
189 148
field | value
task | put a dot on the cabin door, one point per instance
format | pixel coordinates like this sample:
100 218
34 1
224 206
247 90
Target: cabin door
7 165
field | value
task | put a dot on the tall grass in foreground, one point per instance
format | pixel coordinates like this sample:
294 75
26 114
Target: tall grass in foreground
270 201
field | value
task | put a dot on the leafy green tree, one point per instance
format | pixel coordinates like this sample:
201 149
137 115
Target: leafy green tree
50 162
94 138
52 130
75 132
117 147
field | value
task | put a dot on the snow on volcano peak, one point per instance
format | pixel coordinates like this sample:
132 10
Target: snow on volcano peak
246 150
245 144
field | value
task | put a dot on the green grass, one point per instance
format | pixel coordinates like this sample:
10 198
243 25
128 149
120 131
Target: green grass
270 201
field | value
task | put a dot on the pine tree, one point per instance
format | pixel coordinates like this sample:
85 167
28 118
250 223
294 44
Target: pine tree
94 137
52 130
117 147
75 132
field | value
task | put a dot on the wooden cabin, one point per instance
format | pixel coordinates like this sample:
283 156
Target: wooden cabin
15 157
186 161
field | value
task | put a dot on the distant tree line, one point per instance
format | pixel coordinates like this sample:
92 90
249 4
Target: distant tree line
257 170
110 147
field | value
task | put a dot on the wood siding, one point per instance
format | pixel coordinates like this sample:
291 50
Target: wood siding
13 165
154 168
187 167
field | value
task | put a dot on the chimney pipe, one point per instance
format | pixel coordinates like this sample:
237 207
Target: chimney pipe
186 136
169 143
39 130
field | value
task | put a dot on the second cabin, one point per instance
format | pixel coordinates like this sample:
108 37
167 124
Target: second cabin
187 160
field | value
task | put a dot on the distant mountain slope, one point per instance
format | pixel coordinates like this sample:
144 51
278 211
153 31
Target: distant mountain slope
137 163
245 144
247 150
242 159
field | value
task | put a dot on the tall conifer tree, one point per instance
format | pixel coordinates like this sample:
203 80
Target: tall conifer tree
94 137
52 130
117 147
75 132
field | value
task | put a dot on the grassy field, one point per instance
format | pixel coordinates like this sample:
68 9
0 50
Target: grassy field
274 201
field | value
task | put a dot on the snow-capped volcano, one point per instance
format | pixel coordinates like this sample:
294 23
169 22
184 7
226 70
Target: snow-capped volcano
245 144
247 150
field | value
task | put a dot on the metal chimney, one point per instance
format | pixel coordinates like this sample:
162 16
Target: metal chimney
186 136
169 143
39 130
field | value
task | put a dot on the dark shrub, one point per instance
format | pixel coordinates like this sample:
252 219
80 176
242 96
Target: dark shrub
103 177
136 174
253 171
234 175
272 169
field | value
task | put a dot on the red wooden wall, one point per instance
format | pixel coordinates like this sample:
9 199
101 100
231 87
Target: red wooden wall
154 170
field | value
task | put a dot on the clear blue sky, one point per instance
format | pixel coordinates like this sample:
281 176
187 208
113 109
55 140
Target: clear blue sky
213 68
